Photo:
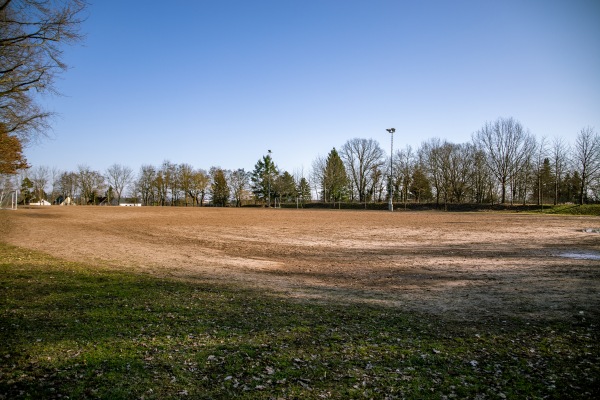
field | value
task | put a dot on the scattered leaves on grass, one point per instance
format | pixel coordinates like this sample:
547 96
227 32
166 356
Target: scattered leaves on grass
71 330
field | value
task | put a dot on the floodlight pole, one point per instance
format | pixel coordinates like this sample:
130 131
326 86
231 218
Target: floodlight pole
391 192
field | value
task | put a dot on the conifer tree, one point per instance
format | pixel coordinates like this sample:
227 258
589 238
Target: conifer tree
335 182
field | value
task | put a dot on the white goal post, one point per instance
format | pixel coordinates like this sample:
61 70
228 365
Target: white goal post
8 200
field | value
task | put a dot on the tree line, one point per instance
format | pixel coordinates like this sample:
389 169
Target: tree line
503 163
168 184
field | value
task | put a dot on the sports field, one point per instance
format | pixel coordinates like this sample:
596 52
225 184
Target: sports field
459 265
209 303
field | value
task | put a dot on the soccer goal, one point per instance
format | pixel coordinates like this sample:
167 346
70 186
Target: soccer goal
8 200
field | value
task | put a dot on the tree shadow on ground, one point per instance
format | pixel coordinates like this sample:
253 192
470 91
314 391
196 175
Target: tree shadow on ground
84 332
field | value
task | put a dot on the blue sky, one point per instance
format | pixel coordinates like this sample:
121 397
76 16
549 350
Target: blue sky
218 83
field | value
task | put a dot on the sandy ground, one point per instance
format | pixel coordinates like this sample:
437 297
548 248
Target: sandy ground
456 265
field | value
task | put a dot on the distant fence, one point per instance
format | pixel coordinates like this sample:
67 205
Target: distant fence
435 207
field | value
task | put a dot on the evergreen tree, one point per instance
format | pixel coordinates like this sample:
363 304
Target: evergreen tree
546 182
26 190
219 187
285 187
574 188
570 187
335 182
304 191
110 195
420 187
263 177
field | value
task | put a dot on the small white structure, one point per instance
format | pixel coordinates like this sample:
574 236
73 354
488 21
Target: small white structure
131 204
67 202
41 203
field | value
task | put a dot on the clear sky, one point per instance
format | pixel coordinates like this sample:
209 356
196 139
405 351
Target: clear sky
218 83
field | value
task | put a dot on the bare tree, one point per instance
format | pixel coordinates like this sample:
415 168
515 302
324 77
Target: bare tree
31 35
68 184
239 181
505 143
449 167
317 175
361 157
161 185
377 183
185 173
91 184
39 176
146 184
119 177
587 158
434 156
482 181
523 170
166 181
403 171
540 155
173 180
559 160
459 173
55 174
199 186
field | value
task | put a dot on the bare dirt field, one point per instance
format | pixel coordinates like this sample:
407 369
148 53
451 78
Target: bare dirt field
457 265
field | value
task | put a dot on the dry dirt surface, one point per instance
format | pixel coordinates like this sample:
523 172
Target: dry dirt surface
457 265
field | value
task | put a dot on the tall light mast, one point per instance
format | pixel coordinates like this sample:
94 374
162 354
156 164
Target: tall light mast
391 188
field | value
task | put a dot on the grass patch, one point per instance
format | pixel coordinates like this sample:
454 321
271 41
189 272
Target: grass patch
77 331
573 209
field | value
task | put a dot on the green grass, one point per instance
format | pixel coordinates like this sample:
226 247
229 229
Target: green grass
573 209
79 331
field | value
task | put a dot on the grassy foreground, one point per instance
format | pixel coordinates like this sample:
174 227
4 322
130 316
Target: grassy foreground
70 330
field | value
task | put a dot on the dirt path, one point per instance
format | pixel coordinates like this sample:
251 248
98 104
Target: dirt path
461 265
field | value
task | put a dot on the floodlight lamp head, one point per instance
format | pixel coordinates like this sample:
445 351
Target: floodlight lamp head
391 130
